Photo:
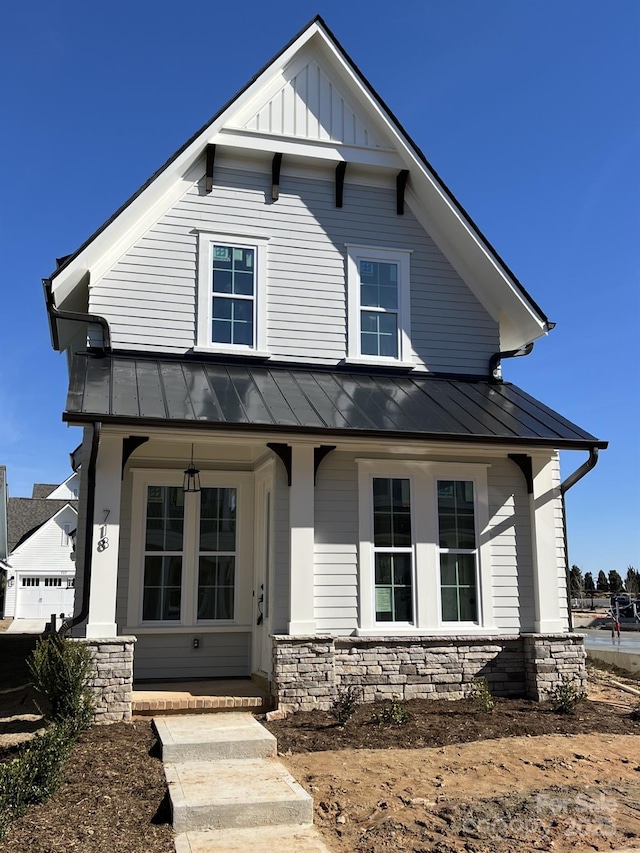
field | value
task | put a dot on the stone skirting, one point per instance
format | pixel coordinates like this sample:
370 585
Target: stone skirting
308 672
112 679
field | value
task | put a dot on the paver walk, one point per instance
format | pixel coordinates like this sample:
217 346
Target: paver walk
227 790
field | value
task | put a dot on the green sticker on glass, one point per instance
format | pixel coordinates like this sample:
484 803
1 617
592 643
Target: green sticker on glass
383 600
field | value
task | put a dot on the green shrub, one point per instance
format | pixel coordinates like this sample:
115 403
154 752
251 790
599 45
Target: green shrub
393 714
565 696
481 695
345 704
61 669
36 773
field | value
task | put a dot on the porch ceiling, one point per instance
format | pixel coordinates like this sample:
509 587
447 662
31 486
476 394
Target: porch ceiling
140 390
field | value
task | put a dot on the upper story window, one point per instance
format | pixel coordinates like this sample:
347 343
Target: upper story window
379 304
231 293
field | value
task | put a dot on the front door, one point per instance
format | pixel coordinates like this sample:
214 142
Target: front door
263 578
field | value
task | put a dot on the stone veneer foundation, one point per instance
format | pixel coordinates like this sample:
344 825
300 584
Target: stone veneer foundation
112 678
309 671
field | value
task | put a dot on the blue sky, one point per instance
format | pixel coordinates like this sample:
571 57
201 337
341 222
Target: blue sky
528 109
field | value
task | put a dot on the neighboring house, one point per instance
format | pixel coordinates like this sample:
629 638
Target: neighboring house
296 310
39 567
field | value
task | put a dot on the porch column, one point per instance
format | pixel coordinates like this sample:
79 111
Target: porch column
545 527
301 541
106 539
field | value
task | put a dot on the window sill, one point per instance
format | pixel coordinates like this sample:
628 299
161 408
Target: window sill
449 630
165 627
380 362
244 353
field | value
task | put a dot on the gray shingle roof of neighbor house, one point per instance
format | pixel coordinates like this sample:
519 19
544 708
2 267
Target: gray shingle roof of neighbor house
43 490
26 515
140 390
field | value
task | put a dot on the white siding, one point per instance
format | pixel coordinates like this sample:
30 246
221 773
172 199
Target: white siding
172 655
512 566
559 519
82 523
149 296
336 545
280 606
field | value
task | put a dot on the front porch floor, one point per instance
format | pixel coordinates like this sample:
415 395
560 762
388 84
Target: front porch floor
217 694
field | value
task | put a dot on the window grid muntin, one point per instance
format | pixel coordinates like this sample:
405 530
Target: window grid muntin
396 484
464 508
379 308
231 299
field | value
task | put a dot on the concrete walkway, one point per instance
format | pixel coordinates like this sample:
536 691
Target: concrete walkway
27 626
227 791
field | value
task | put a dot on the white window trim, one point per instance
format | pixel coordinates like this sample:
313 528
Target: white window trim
204 343
424 476
401 257
243 483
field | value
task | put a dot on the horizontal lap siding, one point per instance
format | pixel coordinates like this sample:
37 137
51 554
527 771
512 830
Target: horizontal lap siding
560 549
510 539
173 656
336 545
149 296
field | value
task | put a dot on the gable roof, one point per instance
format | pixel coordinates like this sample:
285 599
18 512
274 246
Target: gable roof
43 490
26 515
377 132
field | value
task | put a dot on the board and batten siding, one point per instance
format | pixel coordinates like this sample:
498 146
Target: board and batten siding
149 296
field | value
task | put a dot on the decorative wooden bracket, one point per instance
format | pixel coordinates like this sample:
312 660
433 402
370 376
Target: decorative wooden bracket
208 175
276 163
319 454
524 464
401 183
130 444
341 168
283 452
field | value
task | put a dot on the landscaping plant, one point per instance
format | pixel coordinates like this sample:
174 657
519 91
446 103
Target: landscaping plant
481 695
393 714
61 669
345 704
565 696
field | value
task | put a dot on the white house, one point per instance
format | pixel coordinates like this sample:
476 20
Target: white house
295 309
39 567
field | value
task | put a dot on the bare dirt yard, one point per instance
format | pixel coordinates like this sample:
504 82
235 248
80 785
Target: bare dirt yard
451 780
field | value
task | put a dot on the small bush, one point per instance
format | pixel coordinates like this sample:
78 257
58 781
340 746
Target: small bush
481 695
393 714
345 704
61 669
565 696
35 774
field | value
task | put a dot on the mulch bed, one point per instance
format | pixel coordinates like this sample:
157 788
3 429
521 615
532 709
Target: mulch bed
112 799
440 723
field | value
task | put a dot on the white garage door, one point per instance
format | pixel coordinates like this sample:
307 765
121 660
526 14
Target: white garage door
39 597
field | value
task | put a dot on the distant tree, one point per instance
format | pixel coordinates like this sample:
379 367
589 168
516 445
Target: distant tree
632 581
615 582
589 585
577 583
602 584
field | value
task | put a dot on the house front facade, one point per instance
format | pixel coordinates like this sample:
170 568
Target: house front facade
300 461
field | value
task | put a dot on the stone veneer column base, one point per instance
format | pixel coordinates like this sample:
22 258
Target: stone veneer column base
112 679
309 671
550 657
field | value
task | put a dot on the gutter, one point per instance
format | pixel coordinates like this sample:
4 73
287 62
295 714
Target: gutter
567 484
56 314
68 624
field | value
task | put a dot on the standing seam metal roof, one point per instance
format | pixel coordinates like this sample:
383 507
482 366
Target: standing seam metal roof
135 389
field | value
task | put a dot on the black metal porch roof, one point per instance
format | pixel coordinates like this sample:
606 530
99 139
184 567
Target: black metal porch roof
140 390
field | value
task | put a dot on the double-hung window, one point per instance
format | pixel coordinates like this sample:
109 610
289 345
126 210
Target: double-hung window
231 293
379 300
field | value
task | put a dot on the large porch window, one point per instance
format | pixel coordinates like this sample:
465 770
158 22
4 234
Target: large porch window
163 554
217 558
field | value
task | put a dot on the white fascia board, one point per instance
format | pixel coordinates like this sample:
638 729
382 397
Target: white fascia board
142 211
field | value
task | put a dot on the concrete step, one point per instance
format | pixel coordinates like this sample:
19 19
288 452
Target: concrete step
213 737
235 794
268 839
